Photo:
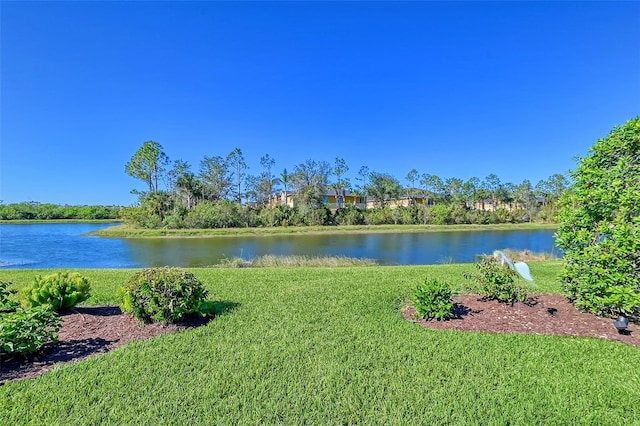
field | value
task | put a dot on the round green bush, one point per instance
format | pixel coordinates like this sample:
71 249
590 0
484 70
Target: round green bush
162 294
62 290
600 227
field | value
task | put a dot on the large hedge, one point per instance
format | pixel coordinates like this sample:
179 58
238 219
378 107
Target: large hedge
600 226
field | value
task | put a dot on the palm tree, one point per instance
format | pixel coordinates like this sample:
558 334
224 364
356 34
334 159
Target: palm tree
412 177
189 188
285 178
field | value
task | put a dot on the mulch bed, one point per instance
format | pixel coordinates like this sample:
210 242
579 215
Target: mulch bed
540 314
85 332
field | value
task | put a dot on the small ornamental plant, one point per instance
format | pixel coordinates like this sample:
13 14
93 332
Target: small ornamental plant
26 331
7 304
163 295
61 291
432 300
496 281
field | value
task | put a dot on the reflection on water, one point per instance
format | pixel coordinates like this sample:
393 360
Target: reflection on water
64 246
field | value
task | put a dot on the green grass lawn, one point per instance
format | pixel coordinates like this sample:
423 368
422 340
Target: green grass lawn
329 346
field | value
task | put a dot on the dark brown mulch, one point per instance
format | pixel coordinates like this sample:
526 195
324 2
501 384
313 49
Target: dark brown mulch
540 314
87 331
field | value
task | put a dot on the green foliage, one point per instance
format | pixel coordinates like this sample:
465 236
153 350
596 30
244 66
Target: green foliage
6 294
45 211
162 294
622 300
148 164
62 290
175 221
496 281
457 215
159 203
279 215
25 331
433 300
140 217
505 216
221 214
383 187
438 214
600 226
310 183
156 211
349 215
480 217
320 216
378 216
272 216
407 215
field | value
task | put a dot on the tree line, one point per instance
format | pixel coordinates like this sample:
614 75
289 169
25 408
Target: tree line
45 211
223 194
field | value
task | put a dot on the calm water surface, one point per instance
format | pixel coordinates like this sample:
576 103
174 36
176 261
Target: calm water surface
34 246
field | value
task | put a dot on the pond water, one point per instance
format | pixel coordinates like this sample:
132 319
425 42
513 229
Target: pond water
33 246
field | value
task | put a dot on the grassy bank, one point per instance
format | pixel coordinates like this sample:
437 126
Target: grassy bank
125 231
329 346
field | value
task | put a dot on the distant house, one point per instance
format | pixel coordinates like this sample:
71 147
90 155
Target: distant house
282 199
402 201
333 202
348 198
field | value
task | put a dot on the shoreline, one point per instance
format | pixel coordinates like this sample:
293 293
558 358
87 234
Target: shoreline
124 231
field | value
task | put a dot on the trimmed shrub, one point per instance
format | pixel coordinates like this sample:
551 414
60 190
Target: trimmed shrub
497 281
600 227
162 294
25 331
62 290
433 300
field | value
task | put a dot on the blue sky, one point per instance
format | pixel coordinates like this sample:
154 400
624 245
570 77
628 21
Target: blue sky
455 89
